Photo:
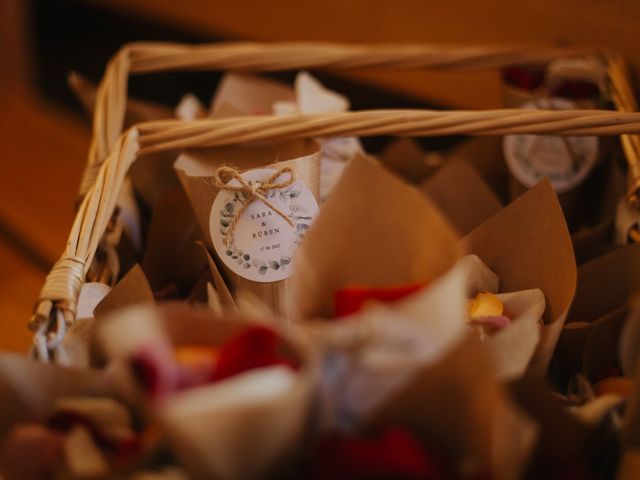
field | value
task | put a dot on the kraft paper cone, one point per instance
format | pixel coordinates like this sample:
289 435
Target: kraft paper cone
171 254
241 427
374 230
592 336
416 363
457 405
528 245
562 438
583 203
153 176
461 195
98 300
405 158
591 348
485 155
29 389
598 235
373 353
606 284
251 95
75 345
133 289
197 168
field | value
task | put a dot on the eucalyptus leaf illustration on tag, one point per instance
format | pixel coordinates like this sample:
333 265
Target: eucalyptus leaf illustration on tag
258 220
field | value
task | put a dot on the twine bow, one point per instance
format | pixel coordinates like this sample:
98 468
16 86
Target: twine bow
251 191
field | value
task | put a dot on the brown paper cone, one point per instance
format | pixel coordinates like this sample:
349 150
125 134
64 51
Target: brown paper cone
601 347
405 158
592 339
416 363
196 170
484 154
591 348
528 245
461 195
153 176
133 289
75 346
606 284
562 437
373 230
242 427
383 345
171 254
458 406
97 300
29 389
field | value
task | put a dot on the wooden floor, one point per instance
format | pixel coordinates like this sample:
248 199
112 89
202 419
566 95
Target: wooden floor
42 150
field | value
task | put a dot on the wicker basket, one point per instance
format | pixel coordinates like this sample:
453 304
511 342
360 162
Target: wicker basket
112 152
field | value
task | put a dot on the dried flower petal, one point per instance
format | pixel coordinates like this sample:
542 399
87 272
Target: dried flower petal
351 299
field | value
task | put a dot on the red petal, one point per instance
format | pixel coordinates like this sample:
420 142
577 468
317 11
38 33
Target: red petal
351 299
527 78
155 369
255 347
395 454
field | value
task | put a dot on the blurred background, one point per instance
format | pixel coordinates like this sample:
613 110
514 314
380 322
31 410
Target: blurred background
44 132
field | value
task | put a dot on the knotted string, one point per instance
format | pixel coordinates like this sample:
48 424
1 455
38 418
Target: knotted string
252 191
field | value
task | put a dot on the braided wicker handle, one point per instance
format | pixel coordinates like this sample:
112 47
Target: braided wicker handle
112 153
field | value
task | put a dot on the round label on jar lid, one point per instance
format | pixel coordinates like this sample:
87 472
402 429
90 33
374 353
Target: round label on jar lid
262 242
566 161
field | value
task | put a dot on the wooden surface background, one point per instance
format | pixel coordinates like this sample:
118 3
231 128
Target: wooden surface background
43 146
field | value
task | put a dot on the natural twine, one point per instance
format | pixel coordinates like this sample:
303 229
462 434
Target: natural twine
251 191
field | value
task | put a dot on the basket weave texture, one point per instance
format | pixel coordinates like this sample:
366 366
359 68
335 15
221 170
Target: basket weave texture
112 151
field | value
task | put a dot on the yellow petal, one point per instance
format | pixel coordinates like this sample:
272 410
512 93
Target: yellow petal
485 304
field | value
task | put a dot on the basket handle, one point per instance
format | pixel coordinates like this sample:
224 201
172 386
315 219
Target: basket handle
136 58
111 153
56 305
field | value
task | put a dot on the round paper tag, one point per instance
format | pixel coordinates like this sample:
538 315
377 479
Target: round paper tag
566 161
263 243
